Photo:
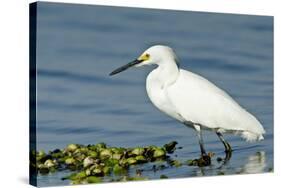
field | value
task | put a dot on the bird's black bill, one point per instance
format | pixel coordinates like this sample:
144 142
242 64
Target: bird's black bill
125 67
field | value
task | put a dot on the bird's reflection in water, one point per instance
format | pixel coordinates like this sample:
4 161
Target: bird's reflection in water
256 164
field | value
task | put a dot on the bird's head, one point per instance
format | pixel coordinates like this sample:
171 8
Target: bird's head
154 55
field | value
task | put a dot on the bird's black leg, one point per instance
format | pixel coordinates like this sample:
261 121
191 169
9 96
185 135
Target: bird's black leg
225 143
227 146
205 158
201 143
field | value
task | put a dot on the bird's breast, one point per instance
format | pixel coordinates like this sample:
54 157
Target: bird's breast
156 91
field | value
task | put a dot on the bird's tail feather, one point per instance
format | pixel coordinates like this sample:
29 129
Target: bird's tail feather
251 137
254 130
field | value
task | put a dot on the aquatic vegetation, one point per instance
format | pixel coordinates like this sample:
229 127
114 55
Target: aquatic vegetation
163 176
170 147
91 163
202 161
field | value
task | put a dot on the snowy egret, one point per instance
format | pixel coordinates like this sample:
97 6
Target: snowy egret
193 100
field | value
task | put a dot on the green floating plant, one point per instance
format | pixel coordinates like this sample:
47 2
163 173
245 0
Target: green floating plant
93 162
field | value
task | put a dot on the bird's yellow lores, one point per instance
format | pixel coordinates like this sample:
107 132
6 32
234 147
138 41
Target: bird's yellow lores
193 100
144 57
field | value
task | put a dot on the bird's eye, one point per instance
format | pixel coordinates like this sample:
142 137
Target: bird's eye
146 57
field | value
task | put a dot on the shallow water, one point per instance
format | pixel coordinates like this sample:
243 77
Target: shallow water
79 45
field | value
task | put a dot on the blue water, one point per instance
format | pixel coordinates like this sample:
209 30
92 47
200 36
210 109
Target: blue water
77 102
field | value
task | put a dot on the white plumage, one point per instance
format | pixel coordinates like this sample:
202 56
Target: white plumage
203 103
192 99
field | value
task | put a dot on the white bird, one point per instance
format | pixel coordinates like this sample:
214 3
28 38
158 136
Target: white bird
193 100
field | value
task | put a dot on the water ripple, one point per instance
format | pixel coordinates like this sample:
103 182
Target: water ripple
69 130
215 63
93 79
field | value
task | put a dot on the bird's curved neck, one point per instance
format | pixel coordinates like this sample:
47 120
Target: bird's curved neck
167 73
